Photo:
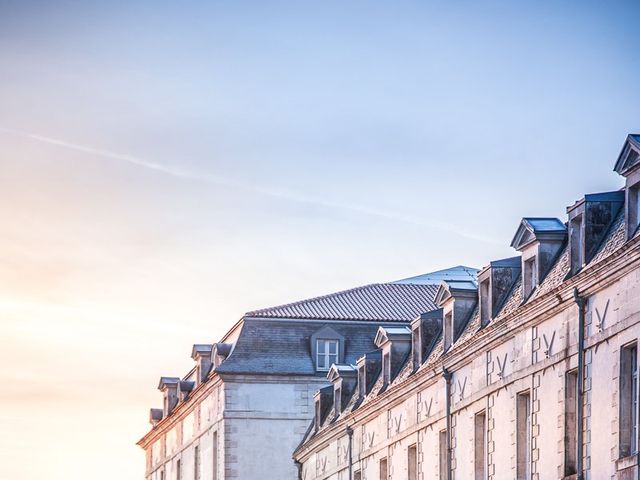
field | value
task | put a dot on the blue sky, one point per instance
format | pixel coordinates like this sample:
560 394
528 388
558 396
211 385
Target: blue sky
168 166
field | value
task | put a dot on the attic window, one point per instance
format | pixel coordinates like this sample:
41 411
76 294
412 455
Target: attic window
386 368
633 214
318 414
576 244
416 346
327 353
448 330
362 387
529 276
485 303
337 401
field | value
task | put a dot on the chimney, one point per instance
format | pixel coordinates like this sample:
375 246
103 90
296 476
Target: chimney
201 353
425 330
589 220
169 388
457 299
495 282
540 240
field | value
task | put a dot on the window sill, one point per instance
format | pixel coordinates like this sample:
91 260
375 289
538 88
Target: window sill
626 462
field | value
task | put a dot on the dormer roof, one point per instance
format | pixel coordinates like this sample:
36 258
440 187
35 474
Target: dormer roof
386 334
336 371
201 349
629 157
538 228
452 288
168 382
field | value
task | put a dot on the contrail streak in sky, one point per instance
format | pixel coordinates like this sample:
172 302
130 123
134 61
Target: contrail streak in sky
179 172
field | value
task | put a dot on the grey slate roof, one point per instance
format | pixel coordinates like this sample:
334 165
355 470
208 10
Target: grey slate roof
284 348
380 302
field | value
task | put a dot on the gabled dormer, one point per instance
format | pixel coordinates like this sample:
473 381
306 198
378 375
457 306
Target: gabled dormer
201 353
327 347
539 239
368 370
322 401
425 330
395 345
628 165
589 220
457 299
344 379
169 388
495 282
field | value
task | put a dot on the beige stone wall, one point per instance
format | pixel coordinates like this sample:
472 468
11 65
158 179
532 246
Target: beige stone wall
533 357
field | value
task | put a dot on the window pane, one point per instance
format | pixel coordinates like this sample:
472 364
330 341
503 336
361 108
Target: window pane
322 345
333 348
322 361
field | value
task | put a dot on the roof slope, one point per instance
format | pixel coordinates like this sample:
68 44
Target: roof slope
388 302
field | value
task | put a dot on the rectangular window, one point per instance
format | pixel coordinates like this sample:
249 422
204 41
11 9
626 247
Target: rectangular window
161 474
386 369
412 459
196 463
576 244
337 401
178 470
215 455
362 387
443 454
529 276
357 475
327 353
570 419
416 347
448 330
485 303
317 417
628 400
384 474
633 213
479 446
523 436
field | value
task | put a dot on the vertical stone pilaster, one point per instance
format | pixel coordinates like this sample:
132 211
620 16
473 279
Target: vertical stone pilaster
454 444
535 425
491 444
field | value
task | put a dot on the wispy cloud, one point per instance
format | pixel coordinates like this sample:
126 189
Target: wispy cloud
183 173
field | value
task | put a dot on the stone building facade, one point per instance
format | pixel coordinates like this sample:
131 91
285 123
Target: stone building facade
527 371
247 402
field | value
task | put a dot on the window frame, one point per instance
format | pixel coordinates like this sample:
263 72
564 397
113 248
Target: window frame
326 355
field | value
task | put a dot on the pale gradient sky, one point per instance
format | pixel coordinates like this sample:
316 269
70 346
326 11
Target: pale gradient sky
165 167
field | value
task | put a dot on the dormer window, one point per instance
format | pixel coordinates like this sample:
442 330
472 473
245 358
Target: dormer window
327 348
485 302
448 330
628 165
337 400
362 379
416 345
576 244
327 353
386 368
633 209
529 276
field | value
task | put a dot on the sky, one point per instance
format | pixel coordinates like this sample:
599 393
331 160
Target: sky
167 166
